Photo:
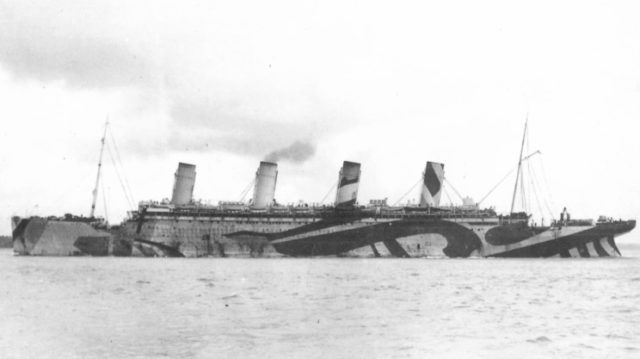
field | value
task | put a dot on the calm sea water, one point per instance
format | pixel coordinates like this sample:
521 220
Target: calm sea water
319 308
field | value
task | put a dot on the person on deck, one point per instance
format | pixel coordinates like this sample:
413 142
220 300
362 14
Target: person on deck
564 215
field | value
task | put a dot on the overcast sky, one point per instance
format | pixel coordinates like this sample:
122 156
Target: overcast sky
389 84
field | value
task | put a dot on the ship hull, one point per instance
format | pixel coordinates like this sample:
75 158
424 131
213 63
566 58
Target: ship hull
362 236
37 236
580 241
343 235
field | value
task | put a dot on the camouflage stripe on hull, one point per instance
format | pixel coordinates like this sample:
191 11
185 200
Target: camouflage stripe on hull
349 235
596 241
44 237
590 241
461 240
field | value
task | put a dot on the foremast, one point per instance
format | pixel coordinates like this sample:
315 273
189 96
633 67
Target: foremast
95 189
515 187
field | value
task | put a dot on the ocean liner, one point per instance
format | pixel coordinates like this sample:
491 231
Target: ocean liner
182 227
263 228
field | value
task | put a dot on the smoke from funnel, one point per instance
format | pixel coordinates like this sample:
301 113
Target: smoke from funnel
296 152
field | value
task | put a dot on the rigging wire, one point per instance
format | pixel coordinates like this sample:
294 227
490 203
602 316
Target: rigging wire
515 187
407 193
547 187
497 185
124 190
532 181
446 193
95 188
526 204
545 202
454 189
104 200
507 176
333 187
72 186
126 182
523 193
246 190
535 187
535 191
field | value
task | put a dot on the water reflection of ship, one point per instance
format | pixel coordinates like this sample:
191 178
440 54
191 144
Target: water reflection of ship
262 227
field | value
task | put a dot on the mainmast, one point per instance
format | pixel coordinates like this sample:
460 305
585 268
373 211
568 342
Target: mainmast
515 188
95 189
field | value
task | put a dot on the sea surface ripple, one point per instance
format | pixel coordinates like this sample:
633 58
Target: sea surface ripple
86 307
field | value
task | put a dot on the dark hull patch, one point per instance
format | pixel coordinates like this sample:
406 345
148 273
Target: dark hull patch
94 246
168 250
461 242
395 248
582 249
510 233
601 251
